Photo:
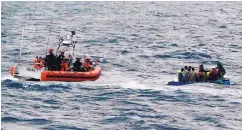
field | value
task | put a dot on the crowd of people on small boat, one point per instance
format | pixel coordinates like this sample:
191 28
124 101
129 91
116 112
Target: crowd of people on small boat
188 73
62 63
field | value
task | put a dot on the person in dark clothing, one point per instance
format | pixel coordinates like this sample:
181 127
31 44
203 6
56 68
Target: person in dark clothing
189 68
201 69
60 58
221 70
185 68
77 66
50 60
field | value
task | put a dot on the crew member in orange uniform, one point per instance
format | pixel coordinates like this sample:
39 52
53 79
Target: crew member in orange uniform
38 63
64 65
86 64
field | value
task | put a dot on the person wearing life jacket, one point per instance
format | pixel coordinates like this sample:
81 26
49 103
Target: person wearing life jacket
60 58
180 74
40 60
43 61
221 70
64 65
86 64
38 63
50 60
213 74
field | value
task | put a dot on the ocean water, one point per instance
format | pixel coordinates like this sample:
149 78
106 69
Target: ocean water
142 45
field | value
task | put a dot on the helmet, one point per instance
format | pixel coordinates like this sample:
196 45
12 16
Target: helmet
51 50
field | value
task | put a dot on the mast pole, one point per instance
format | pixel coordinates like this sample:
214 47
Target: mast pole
48 37
60 41
20 51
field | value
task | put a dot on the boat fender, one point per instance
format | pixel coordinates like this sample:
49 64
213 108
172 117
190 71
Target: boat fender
12 70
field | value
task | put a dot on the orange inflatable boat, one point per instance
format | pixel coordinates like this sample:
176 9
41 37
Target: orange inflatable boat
32 74
71 76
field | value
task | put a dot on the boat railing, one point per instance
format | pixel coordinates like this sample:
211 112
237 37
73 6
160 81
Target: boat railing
26 60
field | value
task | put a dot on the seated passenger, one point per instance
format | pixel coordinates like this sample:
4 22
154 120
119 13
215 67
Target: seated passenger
213 75
201 75
221 70
193 75
189 68
180 74
186 75
185 68
201 69
86 64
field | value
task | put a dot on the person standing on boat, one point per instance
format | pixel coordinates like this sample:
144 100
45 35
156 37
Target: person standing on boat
64 65
59 59
221 70
77 66
50 60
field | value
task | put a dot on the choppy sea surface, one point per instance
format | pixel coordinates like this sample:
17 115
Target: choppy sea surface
142 44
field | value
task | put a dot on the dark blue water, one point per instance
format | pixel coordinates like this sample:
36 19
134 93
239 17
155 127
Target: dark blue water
143 44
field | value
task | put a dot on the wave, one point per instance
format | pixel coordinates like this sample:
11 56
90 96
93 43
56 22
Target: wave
185 55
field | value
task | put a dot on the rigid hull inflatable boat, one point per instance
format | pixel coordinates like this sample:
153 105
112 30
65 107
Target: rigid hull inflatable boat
25 69
32 74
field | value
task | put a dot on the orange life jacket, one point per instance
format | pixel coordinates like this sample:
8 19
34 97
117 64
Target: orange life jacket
64 66
86 65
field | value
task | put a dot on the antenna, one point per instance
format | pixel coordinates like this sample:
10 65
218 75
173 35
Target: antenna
73 41
48 37
20 51
60 40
